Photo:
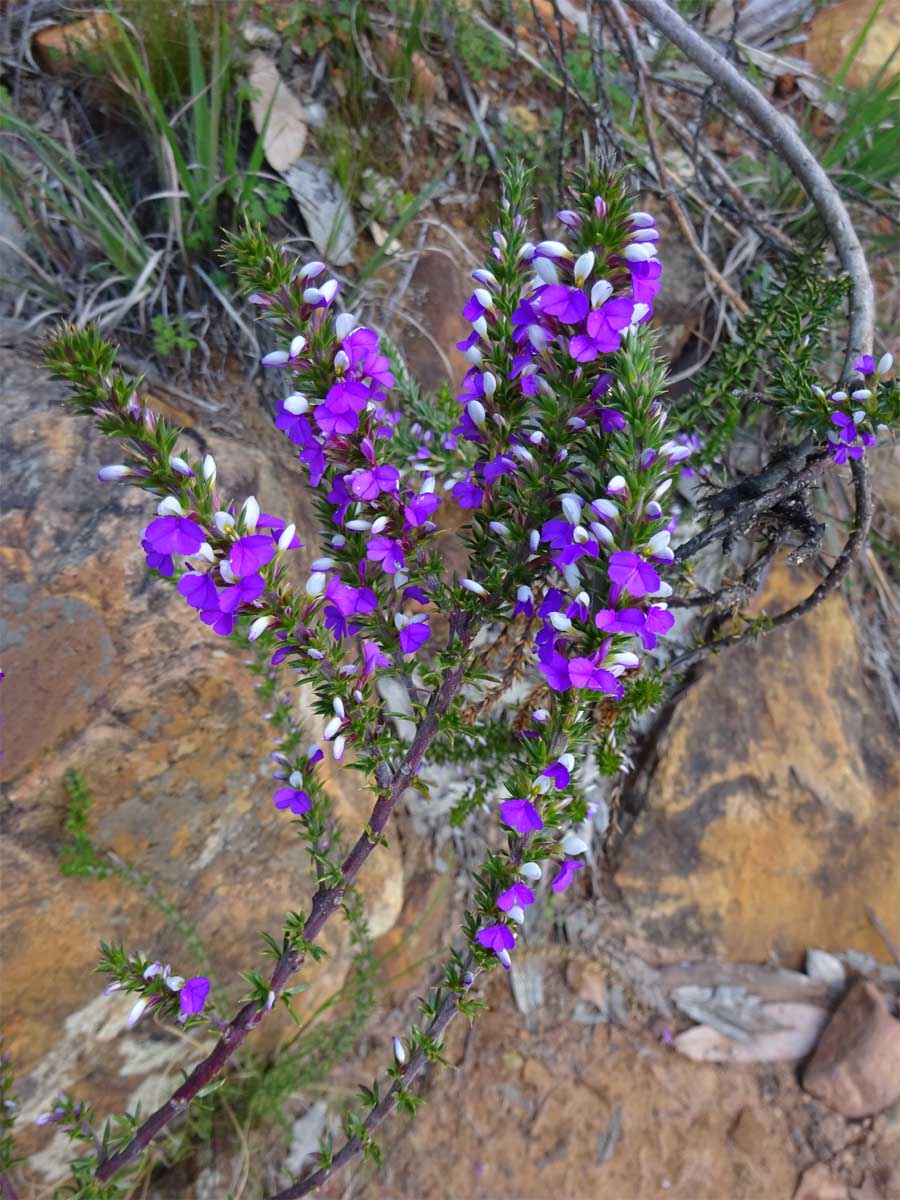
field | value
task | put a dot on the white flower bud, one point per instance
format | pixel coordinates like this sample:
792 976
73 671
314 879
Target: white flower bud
112 473
640 311
399 1051
538 337
572 845
536 438
571 506
169 507
137 1012
606 508
547 271
490 383
601 292
310 270
250 513
484 298
861 394
817 392
653 510
338 705
331 729
380 523
480 326
602 534
315 585
316 654
473 355
552 249
311 295
296 404
859 416
534 540
837 397
205 553
662 489
525 595
358 525
224 522
664 590
279 358
560 622
323 564
259 626
526 251
341 362
476 412
340 745
568 761
503 956
296 779
659 541
884 364
584 264
175 983
576 423
542 785
499 528
624 658
617 484
517 914
344 323
482 275
531 870
286 537
329 290
642 220
580 535
226 572
639 252
472 585
297 344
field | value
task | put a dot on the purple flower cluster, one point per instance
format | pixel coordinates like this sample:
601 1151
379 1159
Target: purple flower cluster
570 318
853 427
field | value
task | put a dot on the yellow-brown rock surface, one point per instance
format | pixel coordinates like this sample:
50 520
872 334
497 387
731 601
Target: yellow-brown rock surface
771 818
108 672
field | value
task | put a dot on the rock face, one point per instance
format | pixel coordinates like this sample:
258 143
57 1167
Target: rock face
109 673
856 1066
769 818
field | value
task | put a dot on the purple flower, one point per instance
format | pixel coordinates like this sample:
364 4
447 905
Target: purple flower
559 773
517 894
468 494
566 874
865 364
193 995
569 305
555 669
199 590
293 799
611 420
498 938
521 815
645 280
630 573
222 623
386 551
604 327
584 673
373 657
414 635
245 591
369 484
846 427
174 535
658 622
158 562
419 508
250 553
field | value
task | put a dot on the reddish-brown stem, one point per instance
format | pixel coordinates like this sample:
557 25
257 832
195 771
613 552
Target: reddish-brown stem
379 1113
325 903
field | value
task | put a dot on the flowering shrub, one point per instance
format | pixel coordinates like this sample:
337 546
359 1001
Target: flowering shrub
559 451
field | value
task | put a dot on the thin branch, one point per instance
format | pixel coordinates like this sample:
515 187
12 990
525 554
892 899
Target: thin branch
466 89
832 581
788 143
325 903
640 72
379 1114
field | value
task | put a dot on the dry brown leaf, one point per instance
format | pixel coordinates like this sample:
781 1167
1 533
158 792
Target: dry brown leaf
285 130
